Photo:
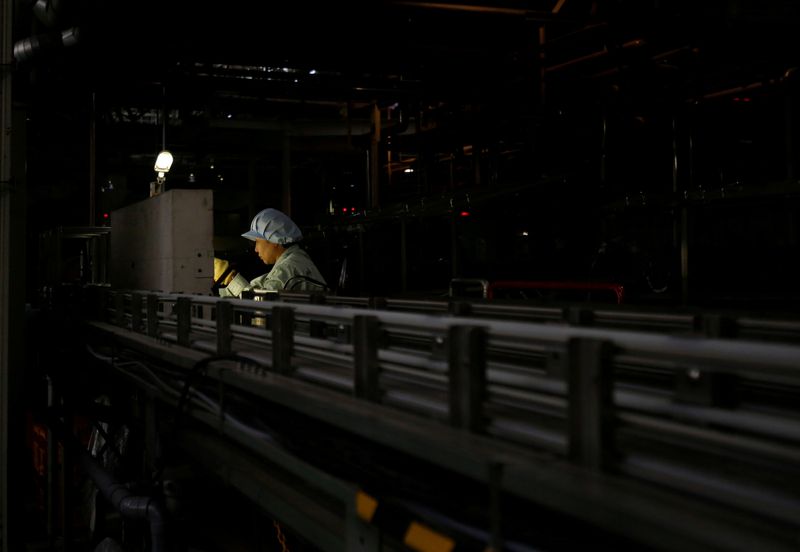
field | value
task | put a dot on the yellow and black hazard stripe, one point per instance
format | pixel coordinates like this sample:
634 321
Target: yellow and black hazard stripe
417 534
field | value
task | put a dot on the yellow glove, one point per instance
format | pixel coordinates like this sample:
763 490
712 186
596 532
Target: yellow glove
222 269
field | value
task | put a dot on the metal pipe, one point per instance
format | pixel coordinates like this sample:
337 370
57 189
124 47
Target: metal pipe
27 49
49 11
635 43
530 15
6 64
788 106
774 359
403 256
92 160
374 158
50 505
122 499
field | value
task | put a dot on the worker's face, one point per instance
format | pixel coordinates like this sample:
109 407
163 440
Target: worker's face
268 252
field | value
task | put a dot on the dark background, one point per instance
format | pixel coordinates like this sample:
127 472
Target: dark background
592 143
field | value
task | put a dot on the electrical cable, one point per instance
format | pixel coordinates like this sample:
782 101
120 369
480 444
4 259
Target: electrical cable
305 279
206 402
195 370
210 405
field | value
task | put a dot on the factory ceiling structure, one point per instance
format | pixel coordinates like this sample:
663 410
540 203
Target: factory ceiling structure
392 107
562 245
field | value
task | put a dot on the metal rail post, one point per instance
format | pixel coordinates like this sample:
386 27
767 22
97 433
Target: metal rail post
136 311
224 318
282 326
183 308
590 401
467 370
366 331
152 315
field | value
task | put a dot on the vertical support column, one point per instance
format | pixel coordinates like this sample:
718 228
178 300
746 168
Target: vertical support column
366 332
455 269
224 320
374 158
590 409
541 55
684 233
682 214
361 258
403 255
282 327
92 162
467 375
6 65
477 159
422 156
604 150
788 102
12 289
152 315
52 463
67 496
183 308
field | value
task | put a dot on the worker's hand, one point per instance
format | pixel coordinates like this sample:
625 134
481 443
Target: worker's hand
223 272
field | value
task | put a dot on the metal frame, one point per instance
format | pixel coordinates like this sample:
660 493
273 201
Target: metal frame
574 419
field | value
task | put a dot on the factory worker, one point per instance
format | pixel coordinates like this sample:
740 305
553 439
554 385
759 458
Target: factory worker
276 239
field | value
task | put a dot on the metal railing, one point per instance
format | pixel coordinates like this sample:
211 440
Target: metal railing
710 418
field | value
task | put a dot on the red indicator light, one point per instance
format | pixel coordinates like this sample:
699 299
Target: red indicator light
105 215
464 213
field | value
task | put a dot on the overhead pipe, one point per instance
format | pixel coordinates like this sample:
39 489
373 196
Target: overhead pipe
663 56
49 12
636 43
27 49
787 76
530 15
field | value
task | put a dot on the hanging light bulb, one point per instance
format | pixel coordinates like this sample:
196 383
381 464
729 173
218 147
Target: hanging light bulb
163 163
164 160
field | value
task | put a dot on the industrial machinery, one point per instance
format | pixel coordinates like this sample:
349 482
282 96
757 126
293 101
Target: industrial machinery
560 164
353 423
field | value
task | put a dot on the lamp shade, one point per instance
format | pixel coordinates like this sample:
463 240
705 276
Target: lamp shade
163 162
